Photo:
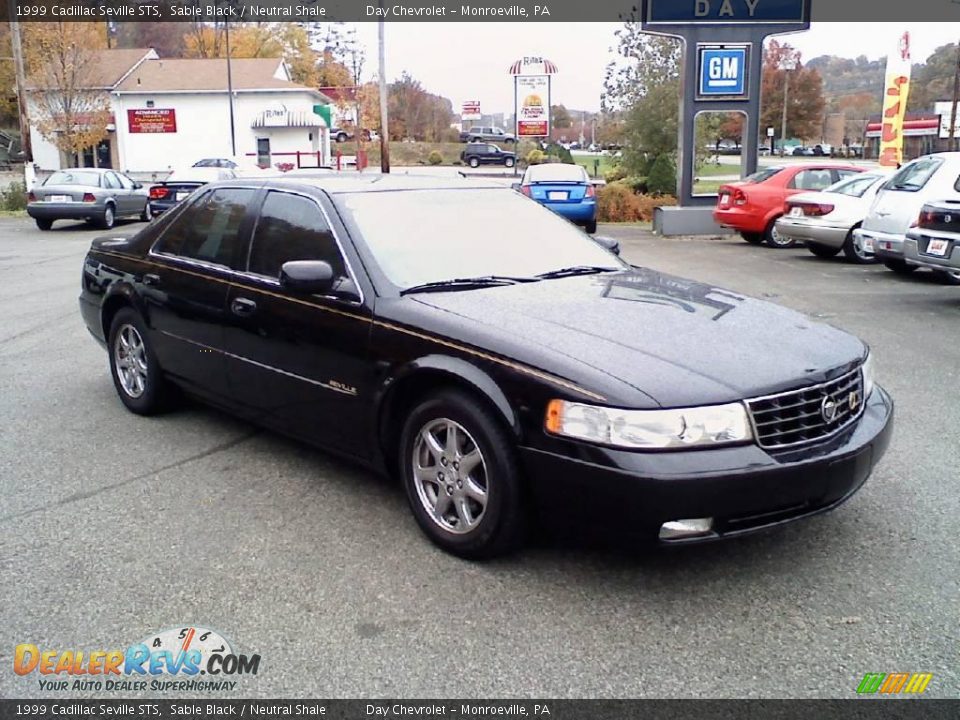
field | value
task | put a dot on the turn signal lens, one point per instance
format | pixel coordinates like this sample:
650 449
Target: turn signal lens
591 191
89 197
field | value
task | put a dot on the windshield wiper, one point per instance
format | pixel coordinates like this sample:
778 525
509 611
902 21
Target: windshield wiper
468 283
575 270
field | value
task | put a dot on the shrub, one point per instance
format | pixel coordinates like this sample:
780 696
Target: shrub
284 166
535 157
615 173
14 196
637 183
616 202
434 158
663 176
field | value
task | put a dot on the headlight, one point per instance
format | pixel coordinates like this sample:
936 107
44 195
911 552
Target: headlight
650 429
869 381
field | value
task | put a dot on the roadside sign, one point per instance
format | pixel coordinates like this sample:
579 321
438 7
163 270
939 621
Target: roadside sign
723 72
471 110
771 132
726 12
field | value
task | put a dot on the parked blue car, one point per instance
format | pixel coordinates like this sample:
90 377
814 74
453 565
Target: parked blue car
565 189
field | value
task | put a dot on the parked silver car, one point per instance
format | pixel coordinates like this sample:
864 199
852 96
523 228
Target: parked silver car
935 242
898 203
96 195
825 220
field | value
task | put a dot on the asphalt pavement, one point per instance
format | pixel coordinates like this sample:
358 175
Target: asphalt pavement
114 526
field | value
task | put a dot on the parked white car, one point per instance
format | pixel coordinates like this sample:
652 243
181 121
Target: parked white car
897 207
826 220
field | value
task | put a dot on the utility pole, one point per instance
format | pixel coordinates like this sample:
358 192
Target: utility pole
233 133
951 143
17 48
786 64
384 124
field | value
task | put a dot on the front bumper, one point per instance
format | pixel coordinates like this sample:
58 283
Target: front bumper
744 489
64 211
915 240
885 245
820 233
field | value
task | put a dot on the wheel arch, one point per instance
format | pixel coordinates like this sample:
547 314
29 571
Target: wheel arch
425 375
121 295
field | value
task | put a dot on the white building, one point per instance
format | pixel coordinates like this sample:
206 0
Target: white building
171 112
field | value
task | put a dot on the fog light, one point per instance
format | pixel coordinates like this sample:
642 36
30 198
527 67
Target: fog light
677 529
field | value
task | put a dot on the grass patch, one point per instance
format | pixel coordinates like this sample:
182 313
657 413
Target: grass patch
707 187
587 162
13 213
405 153
713 170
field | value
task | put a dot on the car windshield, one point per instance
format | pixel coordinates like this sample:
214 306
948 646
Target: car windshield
914 176
762 175
556 172
854 186
74 177
209 162
424 236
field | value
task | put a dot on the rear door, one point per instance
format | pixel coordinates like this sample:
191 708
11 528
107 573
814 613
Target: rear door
195 259
298 362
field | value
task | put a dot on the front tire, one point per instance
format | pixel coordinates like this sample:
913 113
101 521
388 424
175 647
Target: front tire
44 223
461 477
773 238
822 251
855 253
133 365
474 162
900 267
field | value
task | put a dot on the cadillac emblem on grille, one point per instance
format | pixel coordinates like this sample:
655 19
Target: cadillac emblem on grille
828 409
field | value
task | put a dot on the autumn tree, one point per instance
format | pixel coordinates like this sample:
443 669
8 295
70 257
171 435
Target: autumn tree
68 105
9 116
805 103
164 37
561 117
416 113
932 81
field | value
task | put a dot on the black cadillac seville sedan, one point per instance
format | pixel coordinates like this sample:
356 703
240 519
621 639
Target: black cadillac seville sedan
490 355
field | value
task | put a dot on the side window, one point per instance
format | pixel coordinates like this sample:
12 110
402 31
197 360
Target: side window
110 180
209 229
125 182
291 227
843 174
812 180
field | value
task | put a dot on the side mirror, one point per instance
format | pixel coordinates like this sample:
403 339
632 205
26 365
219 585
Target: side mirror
515 186
137 186
306 276
607 243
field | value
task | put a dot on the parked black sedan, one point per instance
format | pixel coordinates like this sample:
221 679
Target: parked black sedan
420 327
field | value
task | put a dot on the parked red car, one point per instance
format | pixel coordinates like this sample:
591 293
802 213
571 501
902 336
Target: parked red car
752 206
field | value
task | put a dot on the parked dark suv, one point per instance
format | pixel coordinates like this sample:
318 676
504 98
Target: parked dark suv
487 133
477 154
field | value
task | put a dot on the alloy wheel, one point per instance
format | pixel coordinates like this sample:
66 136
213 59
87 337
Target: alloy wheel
450 476
130 360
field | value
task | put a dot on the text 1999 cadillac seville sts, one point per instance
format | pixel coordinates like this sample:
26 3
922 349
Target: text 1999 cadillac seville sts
491 355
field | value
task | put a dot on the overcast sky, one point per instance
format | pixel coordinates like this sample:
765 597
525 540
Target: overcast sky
469 61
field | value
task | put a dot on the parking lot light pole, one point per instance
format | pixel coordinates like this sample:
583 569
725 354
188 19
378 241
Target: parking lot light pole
786 64
233 132
384 122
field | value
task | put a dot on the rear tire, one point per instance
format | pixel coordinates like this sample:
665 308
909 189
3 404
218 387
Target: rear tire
591 227
822 251
147 214
774 239
900 267
136 373
44 223
752 237
948 277
482 508
508 162
473 162
855 254
108 219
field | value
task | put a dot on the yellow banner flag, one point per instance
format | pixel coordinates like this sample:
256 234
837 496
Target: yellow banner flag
895 91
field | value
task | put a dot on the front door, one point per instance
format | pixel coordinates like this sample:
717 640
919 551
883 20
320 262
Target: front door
263 152
298 361
186 289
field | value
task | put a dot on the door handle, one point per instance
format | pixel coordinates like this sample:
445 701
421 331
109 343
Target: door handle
151 279
243 306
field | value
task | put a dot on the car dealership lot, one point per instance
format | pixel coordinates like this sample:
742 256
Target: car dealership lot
114 526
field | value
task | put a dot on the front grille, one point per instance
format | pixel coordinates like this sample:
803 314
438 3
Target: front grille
803 416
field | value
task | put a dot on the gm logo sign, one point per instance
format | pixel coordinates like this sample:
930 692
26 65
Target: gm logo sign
723 72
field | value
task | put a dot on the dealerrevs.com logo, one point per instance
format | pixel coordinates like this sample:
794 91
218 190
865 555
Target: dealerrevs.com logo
185 658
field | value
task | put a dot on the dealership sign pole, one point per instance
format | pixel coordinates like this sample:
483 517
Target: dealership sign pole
722 66
531 98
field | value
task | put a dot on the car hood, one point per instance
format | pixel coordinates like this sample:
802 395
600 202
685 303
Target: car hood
677 341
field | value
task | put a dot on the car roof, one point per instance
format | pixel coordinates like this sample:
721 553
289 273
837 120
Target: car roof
338 184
